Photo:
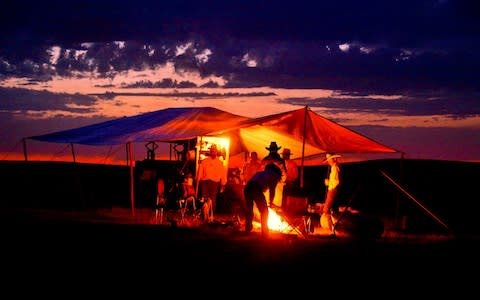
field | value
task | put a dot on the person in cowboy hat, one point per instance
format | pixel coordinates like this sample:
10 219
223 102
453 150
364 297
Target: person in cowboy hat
331 182
273 148
275 158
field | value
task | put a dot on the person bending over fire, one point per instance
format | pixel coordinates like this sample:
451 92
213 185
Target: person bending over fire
254 193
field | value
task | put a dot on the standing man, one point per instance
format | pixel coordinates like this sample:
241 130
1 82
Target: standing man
212 178
252 167
275 158
292 170
331 182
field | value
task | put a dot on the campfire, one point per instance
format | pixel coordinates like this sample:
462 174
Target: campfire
277 223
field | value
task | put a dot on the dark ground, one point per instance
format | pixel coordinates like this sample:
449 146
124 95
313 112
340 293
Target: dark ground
78 254
447 189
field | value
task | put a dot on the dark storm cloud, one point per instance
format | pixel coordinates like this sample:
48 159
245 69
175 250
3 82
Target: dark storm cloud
194 95
385 70
393 47
454 105
130 55
408 21
165 83
16 99
277 64
106 59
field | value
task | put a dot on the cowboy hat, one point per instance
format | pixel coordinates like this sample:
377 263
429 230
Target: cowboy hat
331 156
273 147
286 151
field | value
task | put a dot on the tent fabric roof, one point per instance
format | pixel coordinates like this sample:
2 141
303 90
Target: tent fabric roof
292 129
288 129
172 124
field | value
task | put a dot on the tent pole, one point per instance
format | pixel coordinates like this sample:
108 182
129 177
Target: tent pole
25 149
73 153
303 146
126 155
78 177
198 147
130 164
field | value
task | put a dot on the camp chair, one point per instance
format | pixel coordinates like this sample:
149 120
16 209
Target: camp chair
187 200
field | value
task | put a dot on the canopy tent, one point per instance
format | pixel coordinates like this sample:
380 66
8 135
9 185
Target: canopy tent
303 131
171 124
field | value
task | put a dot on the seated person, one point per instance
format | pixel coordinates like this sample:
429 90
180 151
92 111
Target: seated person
188 190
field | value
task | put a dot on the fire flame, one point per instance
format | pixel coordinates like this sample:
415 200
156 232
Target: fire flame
276 222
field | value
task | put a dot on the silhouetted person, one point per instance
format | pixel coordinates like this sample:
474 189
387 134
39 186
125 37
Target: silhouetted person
254 193
275 158
273 155
252 167
292 171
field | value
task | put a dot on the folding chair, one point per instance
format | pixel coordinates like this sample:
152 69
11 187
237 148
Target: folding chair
187 200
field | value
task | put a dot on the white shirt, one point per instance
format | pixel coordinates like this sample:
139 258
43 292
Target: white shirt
334 178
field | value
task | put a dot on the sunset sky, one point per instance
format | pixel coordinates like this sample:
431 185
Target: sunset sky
404 73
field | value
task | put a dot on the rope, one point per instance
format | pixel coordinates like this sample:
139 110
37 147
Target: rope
59 152
110 153
415 200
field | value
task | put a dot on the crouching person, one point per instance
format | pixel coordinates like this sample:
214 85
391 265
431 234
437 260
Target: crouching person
254 191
